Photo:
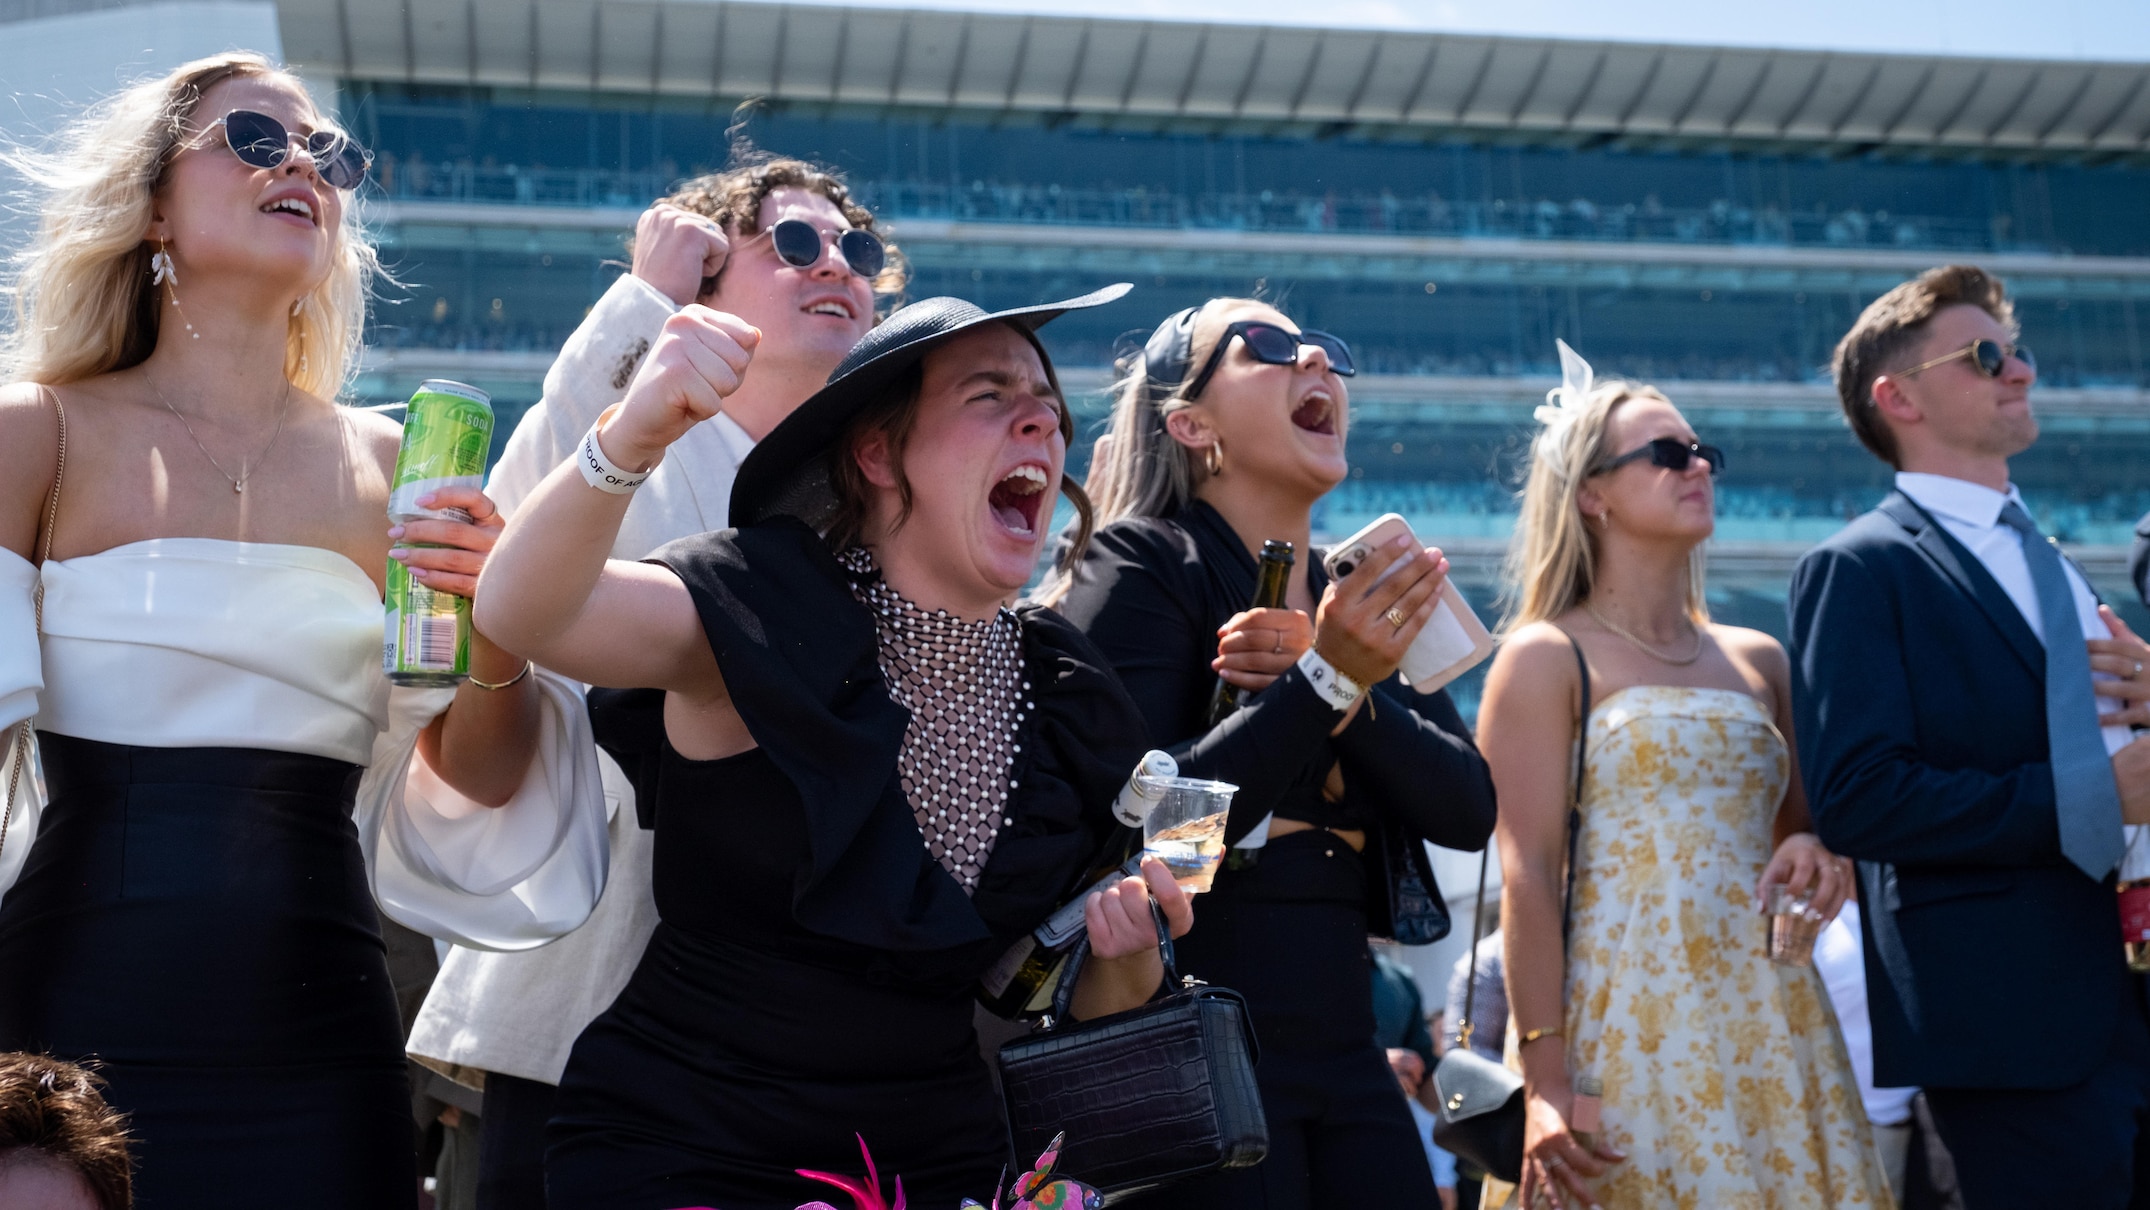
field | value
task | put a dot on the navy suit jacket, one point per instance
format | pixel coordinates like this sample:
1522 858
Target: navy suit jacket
1919 692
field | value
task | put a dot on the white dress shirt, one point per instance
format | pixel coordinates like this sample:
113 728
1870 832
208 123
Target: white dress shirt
1971 513
1837 955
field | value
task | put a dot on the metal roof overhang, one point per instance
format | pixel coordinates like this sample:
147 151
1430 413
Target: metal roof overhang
1149 74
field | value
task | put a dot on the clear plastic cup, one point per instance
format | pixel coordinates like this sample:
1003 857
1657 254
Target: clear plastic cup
1793 926
1185 829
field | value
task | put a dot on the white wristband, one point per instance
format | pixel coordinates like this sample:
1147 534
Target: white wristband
1340 691
601 472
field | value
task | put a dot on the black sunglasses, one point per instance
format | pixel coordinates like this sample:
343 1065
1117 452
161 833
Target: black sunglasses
1273 346
800 244
261 141
1990 356
1671 453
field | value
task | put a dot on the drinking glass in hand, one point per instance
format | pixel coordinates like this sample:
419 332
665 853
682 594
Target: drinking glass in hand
1793 926
1185 830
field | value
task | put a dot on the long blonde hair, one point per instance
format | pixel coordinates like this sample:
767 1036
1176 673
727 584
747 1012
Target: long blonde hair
1552 559
81 293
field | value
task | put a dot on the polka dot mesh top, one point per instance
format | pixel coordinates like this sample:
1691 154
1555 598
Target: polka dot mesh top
962 682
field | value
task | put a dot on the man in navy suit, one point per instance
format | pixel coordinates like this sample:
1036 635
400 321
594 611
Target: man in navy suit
1964 707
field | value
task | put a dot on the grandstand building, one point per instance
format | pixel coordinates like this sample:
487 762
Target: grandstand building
1707 219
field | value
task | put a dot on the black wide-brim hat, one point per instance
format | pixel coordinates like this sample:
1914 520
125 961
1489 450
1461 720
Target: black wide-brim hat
787 474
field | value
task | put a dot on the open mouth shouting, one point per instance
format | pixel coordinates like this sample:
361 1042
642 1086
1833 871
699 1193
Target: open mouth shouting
1017 500
1316 413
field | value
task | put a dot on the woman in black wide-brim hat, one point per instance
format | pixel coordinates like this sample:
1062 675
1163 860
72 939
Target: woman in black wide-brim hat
868 777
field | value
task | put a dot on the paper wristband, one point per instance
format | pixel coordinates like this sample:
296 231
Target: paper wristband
1340 691
601 472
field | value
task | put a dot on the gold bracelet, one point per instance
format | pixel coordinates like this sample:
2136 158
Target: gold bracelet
1535 1034
490 685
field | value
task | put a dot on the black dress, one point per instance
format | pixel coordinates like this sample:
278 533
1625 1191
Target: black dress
814 969
197 922
1289 932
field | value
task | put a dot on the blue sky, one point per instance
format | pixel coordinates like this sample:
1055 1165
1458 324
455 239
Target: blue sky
2048 29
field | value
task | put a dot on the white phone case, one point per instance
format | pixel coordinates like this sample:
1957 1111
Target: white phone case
1453 642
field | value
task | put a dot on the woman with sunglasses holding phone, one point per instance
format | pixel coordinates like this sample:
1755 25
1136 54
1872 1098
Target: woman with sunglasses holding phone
1724 1079
190 607
1228 426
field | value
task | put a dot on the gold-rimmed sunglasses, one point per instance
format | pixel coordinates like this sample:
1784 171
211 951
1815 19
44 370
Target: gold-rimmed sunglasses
1990 356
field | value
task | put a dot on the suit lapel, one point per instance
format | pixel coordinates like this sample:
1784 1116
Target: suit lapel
1968 574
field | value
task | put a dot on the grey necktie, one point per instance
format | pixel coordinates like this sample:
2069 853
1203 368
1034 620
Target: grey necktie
2088 802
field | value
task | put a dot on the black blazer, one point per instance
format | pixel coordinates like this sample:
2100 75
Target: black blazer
1919 691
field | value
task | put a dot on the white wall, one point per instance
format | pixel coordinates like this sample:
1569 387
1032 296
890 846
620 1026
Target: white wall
51 67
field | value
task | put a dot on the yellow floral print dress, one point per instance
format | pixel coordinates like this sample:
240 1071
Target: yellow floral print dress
1726 1081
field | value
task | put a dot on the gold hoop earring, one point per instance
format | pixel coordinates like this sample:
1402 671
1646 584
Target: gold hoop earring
1213 457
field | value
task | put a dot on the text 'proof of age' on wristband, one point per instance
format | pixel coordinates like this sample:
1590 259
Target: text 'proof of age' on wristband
1340 691
601 472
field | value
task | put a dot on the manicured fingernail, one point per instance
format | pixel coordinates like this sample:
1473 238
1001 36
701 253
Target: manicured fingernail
425 501
399 554
420 572
395 531
1400 541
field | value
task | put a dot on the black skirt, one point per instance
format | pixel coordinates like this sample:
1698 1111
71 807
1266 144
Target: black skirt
196 923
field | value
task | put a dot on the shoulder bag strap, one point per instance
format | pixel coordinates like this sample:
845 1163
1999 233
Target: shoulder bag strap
1575 795
23 730
1567 894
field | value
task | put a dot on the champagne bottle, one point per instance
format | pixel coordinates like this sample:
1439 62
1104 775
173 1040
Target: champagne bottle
1271 577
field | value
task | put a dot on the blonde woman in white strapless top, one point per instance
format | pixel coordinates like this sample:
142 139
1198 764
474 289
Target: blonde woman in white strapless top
1726 1084
192 540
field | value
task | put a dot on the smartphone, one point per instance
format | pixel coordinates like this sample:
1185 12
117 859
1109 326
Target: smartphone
1453 642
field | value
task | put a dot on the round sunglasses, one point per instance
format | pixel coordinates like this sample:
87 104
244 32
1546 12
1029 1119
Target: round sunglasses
1670 453
261 141
1990 356
800 244
1274 346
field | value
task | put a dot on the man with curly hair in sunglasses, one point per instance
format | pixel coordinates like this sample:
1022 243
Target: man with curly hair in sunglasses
779 243
1964 707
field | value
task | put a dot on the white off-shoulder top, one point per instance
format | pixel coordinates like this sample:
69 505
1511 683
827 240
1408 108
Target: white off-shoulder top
205 642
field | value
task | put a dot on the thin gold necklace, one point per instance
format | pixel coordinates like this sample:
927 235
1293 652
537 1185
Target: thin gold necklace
246 469
1653 652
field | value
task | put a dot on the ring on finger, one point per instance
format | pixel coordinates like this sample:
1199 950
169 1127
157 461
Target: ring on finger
1396 617
2138 670
1554 1161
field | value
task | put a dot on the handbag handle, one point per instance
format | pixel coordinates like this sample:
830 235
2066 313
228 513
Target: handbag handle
1064 992
1567 894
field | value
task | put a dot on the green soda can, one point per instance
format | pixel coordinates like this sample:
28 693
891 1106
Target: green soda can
446 433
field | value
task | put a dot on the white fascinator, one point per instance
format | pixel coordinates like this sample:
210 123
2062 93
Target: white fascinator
1563 405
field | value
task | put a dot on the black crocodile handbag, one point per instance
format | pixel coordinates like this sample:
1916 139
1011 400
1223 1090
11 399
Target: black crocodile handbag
1147 1097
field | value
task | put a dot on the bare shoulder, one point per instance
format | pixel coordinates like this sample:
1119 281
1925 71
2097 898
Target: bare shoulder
374 433
1752 646
1756 652
30 432
1535 664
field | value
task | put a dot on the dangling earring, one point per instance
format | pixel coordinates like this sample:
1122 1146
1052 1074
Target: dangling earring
296 307
161 273
1213 457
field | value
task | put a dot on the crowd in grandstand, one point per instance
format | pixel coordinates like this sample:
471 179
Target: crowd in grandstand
763 795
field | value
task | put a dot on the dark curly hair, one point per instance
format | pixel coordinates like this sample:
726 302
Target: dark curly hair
52 1112
734 196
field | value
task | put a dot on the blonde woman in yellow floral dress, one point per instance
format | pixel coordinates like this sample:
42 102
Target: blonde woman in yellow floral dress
1726 1085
